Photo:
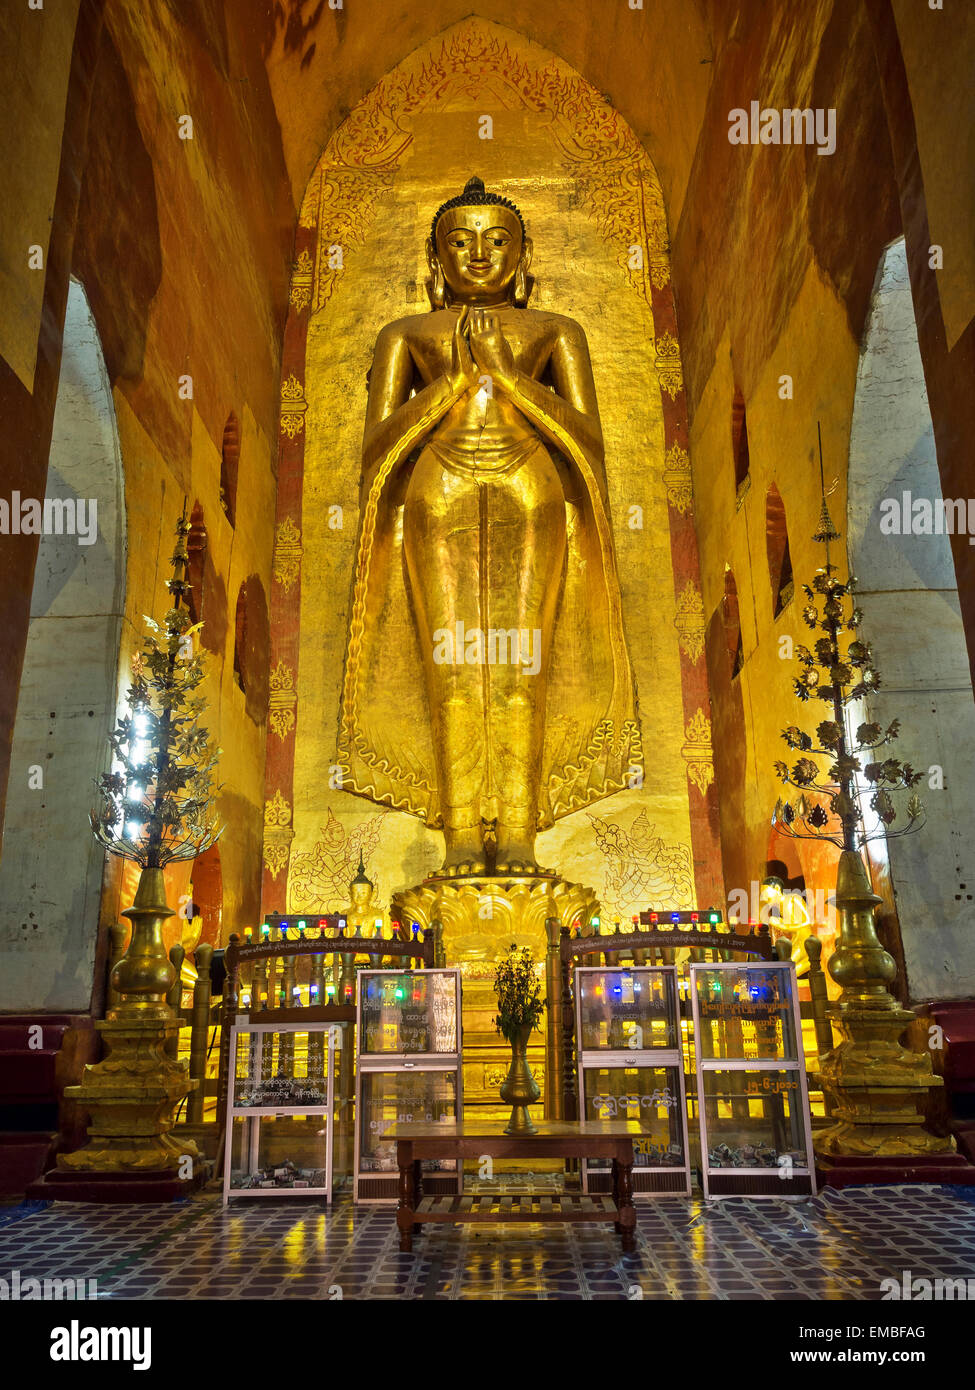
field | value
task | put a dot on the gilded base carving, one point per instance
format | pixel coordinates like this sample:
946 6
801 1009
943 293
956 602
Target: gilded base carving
483 915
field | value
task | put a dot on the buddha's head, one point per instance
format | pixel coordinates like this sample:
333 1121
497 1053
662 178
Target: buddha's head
478 250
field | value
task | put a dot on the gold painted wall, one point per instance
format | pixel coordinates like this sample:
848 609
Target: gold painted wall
587 191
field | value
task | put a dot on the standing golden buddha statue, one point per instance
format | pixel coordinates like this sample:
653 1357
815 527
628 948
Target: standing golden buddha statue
487 686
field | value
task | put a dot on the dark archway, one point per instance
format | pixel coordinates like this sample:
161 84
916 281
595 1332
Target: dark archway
723 648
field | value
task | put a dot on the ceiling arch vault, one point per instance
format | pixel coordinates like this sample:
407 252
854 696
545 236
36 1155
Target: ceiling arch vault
482 62
319 67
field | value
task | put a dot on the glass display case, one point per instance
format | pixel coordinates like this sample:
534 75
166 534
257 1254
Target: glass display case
631 1068
753 1100
281 1109
408 1071
408 1013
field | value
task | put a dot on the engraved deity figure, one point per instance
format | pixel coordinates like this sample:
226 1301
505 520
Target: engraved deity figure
487 684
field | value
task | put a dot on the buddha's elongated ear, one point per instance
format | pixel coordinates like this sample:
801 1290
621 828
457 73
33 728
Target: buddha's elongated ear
438 287
521 274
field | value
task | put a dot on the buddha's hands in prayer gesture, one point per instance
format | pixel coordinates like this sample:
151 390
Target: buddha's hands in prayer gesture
463 372
491 349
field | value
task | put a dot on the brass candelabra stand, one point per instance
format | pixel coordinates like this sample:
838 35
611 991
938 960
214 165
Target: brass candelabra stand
880 1087
156 809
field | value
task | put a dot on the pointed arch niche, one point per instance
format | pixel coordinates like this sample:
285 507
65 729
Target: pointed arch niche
589 194
777 550
909 596
723 645
49 909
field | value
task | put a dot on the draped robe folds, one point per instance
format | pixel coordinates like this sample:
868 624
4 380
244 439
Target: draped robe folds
592 743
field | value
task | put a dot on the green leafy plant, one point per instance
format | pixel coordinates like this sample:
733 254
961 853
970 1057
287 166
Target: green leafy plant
518 992
157 800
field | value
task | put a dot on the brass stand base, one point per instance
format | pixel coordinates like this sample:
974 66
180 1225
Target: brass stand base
131 1096
114 1188
880 1086
845 1171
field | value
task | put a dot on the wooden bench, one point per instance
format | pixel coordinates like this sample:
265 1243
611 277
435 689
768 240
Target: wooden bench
473 1139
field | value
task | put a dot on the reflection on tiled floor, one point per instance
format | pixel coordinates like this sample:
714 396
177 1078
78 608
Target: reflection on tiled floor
838 1246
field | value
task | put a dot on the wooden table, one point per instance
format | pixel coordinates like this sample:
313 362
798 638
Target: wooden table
554 1139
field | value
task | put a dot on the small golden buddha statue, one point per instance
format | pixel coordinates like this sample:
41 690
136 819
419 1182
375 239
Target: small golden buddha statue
485 570
363 913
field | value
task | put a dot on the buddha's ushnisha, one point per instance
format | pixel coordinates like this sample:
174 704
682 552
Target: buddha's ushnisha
487 685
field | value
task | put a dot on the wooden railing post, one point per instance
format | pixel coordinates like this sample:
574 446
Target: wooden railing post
569 1105
346 995
819 997
175 996
260 987
316 994
553 1023
200 1030
286 1041
228 1016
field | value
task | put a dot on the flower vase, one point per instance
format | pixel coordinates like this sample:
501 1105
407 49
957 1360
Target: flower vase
520 1088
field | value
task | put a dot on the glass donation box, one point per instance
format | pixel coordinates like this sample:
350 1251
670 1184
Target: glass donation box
631 1068
753 1100
408 1071
280 1109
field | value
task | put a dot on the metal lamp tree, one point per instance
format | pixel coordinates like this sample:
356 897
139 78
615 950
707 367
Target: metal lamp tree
879 1085
156 809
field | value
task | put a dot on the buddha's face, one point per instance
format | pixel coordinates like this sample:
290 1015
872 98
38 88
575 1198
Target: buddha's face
361 894
479 249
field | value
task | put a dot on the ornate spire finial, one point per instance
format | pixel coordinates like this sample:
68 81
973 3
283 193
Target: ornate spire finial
825 531
361 875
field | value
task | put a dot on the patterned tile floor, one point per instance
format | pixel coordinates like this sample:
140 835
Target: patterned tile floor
838 1246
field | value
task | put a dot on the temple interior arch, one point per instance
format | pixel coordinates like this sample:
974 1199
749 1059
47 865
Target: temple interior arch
266 287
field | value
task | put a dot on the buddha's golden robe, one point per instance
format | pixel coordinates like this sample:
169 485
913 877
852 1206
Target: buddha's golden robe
591 746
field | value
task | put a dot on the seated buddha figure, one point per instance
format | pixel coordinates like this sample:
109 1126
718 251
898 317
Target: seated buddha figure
487 683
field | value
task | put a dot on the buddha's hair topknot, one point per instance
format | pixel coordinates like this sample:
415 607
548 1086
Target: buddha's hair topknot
475 195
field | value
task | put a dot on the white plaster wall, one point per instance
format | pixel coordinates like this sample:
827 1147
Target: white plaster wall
51 866
912 618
